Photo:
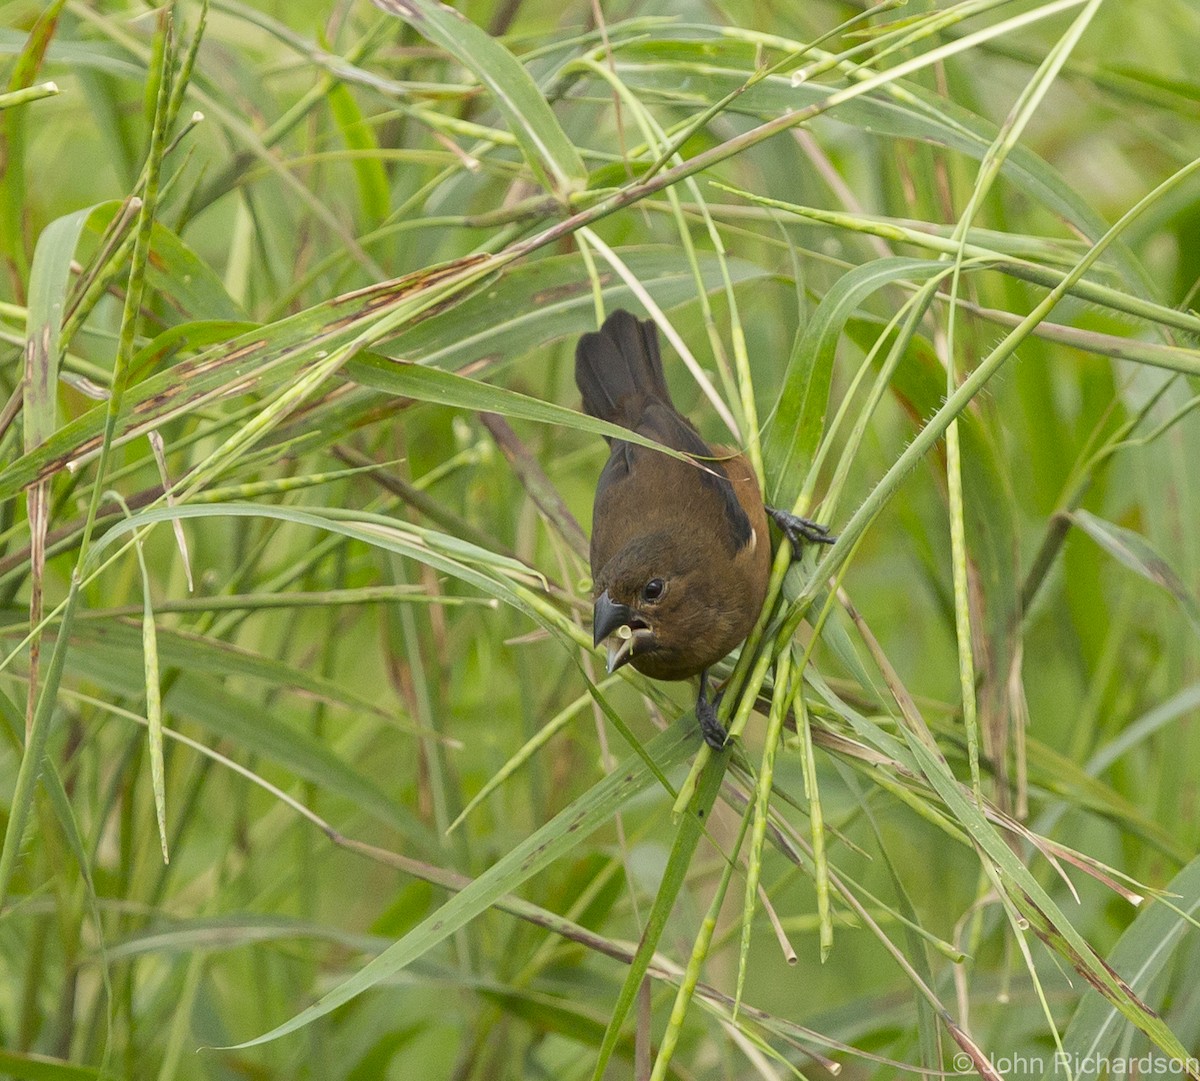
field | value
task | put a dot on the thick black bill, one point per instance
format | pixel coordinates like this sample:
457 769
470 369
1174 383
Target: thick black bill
607 616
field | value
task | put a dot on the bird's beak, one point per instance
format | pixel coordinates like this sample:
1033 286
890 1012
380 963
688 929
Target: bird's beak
607 616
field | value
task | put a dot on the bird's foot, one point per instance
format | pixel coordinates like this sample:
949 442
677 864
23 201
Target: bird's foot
798 530
711 729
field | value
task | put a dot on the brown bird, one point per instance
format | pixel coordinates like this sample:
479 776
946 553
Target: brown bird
681 555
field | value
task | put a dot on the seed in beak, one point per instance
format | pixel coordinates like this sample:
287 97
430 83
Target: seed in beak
624 641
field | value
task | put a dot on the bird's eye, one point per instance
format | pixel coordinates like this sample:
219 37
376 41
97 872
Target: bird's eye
653 589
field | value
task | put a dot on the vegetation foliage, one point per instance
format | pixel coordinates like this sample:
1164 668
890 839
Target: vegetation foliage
308 762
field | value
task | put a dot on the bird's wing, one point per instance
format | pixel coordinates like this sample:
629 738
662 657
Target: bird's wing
682 483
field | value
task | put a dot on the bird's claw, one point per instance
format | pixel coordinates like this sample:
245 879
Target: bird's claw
798 530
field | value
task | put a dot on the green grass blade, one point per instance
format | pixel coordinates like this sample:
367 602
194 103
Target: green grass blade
158 92
691 827
798 419
373 192
1041 910
931 432
35 748
248 360
761 809
530 748
427 384
101 630
154 722
255 730
31 56
13 98
1132 550
551 298
1145 951
700 950
550 154
900 110
49 282
1047 272
22 1066
440 551
555 838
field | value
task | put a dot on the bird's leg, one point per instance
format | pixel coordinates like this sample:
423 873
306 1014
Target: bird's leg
797 530
706 713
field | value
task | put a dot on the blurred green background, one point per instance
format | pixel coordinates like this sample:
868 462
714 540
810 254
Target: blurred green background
391 592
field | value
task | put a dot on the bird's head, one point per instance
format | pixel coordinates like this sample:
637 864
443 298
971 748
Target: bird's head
652 607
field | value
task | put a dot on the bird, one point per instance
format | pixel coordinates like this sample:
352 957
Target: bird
680 551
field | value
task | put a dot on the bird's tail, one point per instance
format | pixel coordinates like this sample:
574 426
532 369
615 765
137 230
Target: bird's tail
618 369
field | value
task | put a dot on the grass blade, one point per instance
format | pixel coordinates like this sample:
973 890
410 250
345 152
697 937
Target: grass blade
524 860
549 153
1132 550
1142 954
687 837
35 748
